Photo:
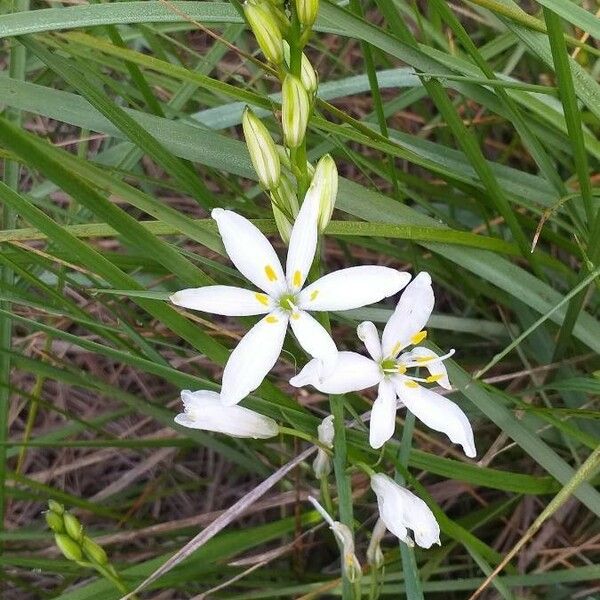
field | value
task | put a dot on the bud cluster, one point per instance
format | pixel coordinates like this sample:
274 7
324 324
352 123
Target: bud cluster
281 31
71 540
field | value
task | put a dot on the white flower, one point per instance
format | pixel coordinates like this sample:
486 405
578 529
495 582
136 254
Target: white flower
345 540
401 510
322 464
283 298
388 369
204 410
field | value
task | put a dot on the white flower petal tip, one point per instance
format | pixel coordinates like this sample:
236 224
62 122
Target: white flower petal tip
217 213
369 336
401 510
203 410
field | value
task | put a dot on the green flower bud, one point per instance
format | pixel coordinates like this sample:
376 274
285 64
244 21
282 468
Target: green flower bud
374 553
263 151
307 11
285 207
94 551
325 185
73 527
266 30
54 506
55 522
308 75
68 547
295 109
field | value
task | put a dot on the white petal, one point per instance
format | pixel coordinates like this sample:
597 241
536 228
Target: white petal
352 288
326 431
250 251
424 357
437 412
204 410
223 300
383 415
411 315
368 334
322 464
315 339
303 241
389 504
352 372
253 358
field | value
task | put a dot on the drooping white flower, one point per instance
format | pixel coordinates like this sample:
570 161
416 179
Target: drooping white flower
350 564
322 463
388 368
204 410
283 299
401 510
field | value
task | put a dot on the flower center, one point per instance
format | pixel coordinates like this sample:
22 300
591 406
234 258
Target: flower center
288 302
388 365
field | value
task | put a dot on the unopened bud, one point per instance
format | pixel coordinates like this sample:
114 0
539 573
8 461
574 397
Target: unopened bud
325 185
285 207
55 522
262 149
308 75
295 108
94 551
56 507
266 30
322 463
307 11
73 527
374 553
70 548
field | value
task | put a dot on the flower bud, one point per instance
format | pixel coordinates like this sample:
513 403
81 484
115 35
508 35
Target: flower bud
54 506
94 551
73 527
325 185
295 109
308 75
262 149
322 463
54 521
374 553
70 548
284 203
307 11
266 30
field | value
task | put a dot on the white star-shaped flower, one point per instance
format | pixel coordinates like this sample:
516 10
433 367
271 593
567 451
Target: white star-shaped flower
283 298
388 368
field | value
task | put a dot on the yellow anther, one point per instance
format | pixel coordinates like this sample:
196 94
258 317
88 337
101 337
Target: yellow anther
418 337
411 384
424 359
401 369
314 295
272 319
262 298
434 378
270 273
297 279
396 348
295 316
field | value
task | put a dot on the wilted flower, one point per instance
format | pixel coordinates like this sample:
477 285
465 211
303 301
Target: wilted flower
388 369
262 149
266 30
295 109
374 553
204 410
282 298
322 463
350 565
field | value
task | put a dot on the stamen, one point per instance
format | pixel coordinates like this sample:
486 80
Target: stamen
272 319
295 316
424 359
411 384
401 369
262 298
418 337
396 348
314 295
434 378
297 279
272 276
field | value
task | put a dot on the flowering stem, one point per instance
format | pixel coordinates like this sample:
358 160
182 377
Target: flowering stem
341 478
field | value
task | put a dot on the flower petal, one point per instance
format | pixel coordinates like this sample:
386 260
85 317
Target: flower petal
223 300
250 251
383 415
436 412
253 358
204 410
411 315
368 334
352 372
303 241
424 357
352 288
389 504
315 339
